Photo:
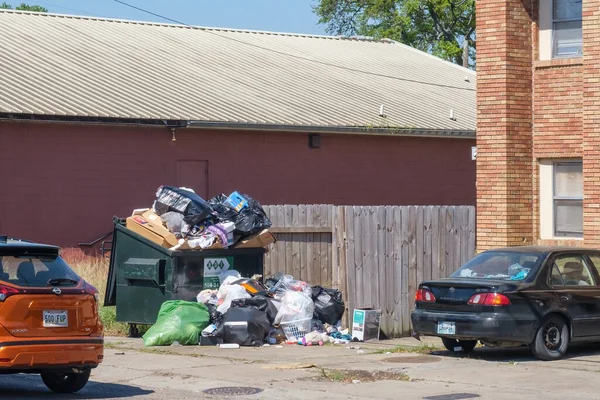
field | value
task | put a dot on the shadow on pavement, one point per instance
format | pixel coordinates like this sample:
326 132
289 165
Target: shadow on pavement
32 387
523 354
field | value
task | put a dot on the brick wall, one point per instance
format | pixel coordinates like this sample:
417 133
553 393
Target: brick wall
558 123
504 133
591 121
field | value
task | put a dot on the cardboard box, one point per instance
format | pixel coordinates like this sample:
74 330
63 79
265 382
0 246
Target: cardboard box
150 225
262 239
365 324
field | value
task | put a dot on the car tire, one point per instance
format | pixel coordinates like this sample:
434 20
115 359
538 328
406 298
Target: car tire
551 339
466 346
66 383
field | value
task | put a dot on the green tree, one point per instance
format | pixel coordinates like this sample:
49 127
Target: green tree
24 7
445 28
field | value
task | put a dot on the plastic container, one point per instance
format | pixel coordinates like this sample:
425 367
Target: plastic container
236 201
296 330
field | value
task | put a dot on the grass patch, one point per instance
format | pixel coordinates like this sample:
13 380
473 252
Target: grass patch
95 271
423 349
356 376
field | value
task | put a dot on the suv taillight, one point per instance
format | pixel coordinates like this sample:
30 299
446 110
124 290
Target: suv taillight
7 291
89 289
489 299
425 296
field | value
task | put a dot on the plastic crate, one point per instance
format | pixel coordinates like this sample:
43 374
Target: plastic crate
296 330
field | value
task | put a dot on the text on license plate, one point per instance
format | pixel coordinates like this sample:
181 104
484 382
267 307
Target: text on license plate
446 328
56 318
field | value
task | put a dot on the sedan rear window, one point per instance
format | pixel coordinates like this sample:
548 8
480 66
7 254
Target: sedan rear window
36 271
505 265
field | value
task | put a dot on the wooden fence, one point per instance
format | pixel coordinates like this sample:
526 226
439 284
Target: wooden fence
376 255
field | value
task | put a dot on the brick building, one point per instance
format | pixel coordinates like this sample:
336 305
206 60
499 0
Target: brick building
95 114
538 127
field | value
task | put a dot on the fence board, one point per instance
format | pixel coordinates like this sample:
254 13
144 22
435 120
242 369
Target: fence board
359 256
350 263
325 244
427 241
420 244
302 241
310 238
435 243
381 271
404 271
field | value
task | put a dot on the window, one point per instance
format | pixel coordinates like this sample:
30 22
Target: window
506 265
34 271
568 199
571 271
567 32
596 260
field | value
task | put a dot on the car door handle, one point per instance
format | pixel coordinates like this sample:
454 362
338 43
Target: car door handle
565 297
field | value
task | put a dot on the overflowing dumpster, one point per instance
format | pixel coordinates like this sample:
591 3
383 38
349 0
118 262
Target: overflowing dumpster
143 274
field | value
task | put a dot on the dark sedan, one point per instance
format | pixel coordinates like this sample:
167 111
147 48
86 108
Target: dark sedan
541 297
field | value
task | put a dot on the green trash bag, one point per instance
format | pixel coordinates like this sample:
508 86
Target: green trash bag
178 321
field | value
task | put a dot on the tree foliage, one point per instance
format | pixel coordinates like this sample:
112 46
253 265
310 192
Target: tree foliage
445 28
23 7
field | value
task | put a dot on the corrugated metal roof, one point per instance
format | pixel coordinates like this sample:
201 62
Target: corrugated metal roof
59 65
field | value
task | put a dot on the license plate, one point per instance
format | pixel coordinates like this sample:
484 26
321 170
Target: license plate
446 328
56 319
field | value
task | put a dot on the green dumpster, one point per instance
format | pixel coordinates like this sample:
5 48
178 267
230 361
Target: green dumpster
142 275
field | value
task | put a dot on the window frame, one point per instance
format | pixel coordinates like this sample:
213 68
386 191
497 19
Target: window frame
554 21
556 198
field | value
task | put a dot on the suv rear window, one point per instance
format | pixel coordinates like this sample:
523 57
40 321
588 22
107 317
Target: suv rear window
34 271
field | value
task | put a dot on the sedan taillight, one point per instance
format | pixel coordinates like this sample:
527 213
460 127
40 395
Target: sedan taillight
489 299
425 296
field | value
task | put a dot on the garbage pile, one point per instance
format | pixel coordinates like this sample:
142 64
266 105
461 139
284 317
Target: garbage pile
181 220
246 312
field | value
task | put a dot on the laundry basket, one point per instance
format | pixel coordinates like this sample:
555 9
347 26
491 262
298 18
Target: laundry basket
296 330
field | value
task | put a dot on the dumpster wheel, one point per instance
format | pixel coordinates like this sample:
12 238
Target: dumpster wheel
133 331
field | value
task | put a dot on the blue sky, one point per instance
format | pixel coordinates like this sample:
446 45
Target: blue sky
293 16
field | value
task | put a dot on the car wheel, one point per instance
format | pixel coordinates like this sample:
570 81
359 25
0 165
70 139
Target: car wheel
66 383
551 339
458 346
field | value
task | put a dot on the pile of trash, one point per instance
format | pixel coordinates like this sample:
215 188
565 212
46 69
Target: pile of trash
181 220
246 312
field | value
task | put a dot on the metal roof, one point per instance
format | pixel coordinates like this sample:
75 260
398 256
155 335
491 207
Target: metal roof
71 66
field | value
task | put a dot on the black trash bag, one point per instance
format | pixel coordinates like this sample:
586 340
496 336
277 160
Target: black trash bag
329 305
252 219
261 303
248 221
192 206
271 282
224 213
245 326
216 318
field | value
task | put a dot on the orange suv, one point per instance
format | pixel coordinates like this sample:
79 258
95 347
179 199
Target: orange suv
49 323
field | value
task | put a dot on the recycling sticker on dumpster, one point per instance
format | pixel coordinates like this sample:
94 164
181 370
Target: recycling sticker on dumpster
212 268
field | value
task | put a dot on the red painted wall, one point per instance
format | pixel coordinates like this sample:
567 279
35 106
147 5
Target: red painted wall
63 183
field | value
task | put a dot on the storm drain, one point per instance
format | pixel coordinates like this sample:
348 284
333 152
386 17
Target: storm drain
232 391
413 359
453 396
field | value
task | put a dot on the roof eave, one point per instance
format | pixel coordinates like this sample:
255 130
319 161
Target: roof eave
327 129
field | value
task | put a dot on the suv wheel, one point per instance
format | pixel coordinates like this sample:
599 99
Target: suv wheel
66 383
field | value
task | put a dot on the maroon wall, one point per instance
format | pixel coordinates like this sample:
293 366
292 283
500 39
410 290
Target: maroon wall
62 183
